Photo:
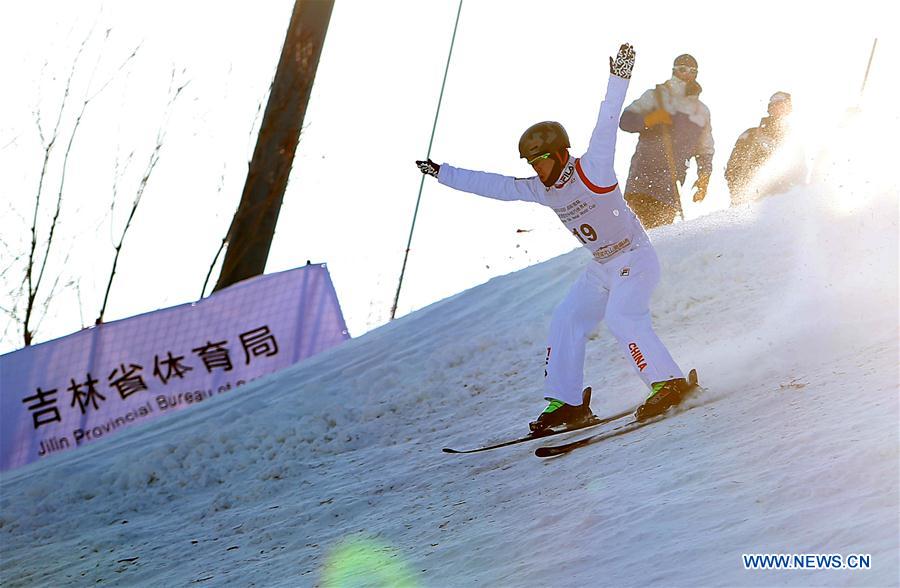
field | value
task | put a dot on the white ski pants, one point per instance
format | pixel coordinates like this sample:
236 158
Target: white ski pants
618 291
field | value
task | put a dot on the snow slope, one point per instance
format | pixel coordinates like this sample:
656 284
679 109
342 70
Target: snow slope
331 472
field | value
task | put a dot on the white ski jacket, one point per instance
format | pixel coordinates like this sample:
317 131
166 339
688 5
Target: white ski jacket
586 197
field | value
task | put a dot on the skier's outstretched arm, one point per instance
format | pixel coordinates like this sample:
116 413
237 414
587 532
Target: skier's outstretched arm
485 184
597 162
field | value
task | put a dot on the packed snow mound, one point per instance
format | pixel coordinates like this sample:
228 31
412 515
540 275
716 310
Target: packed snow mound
331 472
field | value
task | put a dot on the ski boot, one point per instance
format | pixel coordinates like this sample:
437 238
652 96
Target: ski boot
665 395
558 414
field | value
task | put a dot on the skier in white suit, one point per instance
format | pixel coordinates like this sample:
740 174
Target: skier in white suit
617 283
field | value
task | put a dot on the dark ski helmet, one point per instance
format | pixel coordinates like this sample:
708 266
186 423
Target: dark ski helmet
685 59
543 137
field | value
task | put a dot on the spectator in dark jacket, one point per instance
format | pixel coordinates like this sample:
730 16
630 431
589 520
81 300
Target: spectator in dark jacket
765 159
674 126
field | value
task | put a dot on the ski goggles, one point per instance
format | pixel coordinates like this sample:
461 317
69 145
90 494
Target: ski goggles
538 158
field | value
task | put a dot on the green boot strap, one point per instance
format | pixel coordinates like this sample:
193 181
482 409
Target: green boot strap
654 388
553 406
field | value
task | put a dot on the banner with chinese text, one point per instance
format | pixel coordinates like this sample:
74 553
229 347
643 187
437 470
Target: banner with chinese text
70 391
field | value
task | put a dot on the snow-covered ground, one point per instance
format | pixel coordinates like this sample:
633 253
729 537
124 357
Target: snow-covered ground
331 473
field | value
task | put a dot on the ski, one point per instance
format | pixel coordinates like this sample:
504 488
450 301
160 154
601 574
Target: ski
632 425
553 450
627 427
596 421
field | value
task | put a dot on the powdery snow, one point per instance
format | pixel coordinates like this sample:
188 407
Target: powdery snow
331 472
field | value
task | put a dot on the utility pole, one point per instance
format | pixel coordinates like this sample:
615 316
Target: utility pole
253 226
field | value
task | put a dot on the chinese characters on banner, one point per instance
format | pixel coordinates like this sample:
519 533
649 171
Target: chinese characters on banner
64 393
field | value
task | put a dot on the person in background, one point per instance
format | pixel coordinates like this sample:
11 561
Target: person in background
765 159
623 271
674 126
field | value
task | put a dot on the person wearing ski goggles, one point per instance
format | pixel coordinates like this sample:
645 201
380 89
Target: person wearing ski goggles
618 282
674 127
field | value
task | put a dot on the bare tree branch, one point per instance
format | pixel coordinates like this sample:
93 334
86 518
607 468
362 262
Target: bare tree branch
16 298
46 305
142 185
117 175
224 239
119 70
10 143
80 304
12 324
48 148
68 151
34 285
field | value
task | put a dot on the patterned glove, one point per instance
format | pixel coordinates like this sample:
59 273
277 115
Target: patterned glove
429 167
623 63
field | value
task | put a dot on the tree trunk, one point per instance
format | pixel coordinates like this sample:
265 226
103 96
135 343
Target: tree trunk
251 231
